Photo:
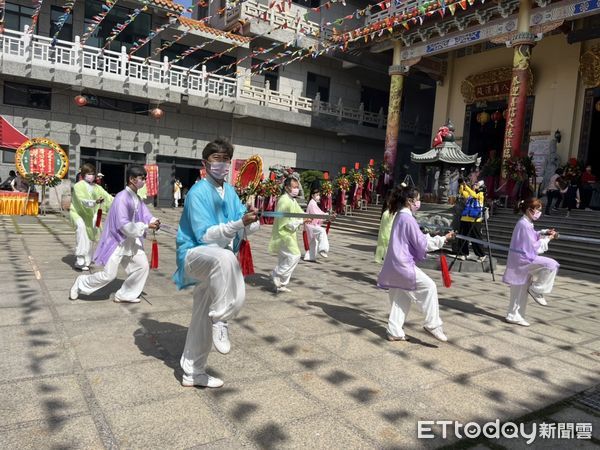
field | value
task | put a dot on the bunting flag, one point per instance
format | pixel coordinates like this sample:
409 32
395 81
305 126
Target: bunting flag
97 20
35 16
60 22
141 42
166 45
118 29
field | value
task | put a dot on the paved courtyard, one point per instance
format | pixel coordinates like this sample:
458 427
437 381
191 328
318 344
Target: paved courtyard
308 369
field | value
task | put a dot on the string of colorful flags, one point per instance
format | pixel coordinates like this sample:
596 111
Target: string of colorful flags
155 32
118 29
60 22
107 6
35 16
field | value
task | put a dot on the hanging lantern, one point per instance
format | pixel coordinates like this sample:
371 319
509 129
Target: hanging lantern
80 100
343 170
157 113
356 166
496 117
326 176
483 118
597 106
371 162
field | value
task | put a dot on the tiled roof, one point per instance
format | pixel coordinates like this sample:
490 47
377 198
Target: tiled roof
168 4
449 152
201 26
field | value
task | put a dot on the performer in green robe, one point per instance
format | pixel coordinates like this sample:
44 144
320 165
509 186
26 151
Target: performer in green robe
87 199
284 241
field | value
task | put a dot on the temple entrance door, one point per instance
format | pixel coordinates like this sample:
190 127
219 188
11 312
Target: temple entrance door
589 142
483 136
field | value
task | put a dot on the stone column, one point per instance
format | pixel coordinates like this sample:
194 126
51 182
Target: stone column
397 73
522 42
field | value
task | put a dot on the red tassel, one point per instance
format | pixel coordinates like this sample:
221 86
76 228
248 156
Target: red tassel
245 258
327 227
154 258
99 218
445 272
305 239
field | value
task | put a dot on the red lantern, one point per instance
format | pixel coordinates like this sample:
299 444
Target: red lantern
343 170
80 100
157 113
326 176
371 162
496 117
356 166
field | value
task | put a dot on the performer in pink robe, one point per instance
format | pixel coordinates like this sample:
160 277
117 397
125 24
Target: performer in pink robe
407 283
527 272
317 236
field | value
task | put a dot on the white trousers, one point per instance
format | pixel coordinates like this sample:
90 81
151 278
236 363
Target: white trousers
318 243
286 263
424 296
541 282
136 267
84 250
219 296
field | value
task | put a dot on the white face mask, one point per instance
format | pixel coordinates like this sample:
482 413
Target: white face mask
536 215
139 183
294 192
90 178
317 198
218 170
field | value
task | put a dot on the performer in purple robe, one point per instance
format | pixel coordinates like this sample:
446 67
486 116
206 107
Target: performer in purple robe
527 272
122 243
407 283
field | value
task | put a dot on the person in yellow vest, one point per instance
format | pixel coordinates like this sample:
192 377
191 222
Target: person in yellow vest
87 198
472 219
284 241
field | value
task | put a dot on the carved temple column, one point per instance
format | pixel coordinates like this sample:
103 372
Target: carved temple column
397 73
522 43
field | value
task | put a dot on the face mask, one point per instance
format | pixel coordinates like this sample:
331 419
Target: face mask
415 206
536 215
317 198
294 192
139 183
219 170
90 178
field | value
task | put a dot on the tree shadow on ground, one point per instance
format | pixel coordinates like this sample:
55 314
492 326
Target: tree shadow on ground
468 308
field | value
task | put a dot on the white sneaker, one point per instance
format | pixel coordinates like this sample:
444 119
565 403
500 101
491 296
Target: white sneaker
121 300
437 333
391 338
521 322
82 268
220 334
539 298
283 289
482 258
74 292
324 254
275 281
462 257
202 379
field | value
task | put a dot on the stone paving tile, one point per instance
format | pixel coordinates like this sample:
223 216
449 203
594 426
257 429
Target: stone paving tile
549 369
69 433
179 422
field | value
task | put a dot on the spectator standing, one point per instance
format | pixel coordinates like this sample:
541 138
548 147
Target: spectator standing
588 179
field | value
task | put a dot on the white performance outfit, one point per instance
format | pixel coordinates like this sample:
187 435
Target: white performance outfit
84 250
425 296
318 242
542 282
286 263
129 254
220 293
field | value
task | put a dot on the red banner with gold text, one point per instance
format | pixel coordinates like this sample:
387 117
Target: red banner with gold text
152 179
